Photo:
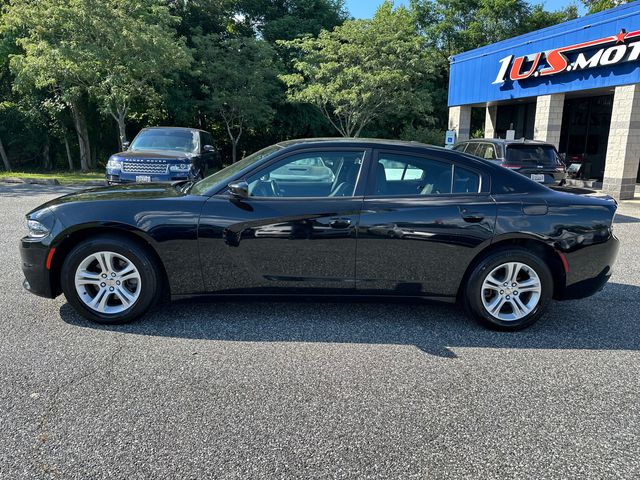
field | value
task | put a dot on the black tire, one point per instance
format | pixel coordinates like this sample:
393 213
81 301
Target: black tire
473 295
150 284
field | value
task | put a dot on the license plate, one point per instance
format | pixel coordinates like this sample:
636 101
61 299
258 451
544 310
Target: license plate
537 177
143 178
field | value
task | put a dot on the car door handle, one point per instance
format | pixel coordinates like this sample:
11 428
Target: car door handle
340 223
470 216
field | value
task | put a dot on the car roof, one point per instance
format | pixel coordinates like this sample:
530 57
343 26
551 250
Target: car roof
176 128
364 142
502 141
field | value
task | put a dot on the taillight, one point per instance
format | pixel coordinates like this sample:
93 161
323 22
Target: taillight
511 166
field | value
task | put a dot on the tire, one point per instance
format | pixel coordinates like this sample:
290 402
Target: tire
516 304
131 286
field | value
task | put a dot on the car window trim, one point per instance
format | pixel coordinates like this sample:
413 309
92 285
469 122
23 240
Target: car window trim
358 191
484 188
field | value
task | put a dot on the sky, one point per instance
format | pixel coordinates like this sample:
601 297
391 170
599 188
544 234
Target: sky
366 8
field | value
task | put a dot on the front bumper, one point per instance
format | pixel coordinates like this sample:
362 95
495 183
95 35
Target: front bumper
34 258
121 177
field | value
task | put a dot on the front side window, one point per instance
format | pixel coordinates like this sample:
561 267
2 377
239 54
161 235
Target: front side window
407 175
226 173
312 174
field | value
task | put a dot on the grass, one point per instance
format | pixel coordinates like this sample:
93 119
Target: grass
62 177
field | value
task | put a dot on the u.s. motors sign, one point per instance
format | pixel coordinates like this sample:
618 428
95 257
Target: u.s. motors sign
620 48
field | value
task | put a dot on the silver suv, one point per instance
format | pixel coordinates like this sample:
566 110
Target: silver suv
537 160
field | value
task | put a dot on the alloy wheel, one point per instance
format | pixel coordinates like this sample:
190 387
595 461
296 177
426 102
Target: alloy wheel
107 282
511 291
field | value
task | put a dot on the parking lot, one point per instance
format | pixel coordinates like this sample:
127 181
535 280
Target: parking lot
323 390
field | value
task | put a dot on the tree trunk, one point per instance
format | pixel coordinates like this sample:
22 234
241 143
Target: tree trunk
122 131
69 158
80 124
119 114
5 158
46 156
234 150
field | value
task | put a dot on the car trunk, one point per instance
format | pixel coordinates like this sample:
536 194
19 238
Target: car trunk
533 160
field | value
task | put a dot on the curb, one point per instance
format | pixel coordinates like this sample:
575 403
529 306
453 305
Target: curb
52 181
34 181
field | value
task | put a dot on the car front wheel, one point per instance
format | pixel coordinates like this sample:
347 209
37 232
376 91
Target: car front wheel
509 289
110 280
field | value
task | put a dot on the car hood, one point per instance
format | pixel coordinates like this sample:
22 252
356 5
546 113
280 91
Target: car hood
154 154
129 192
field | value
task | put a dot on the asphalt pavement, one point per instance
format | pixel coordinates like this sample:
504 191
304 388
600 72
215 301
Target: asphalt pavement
244 390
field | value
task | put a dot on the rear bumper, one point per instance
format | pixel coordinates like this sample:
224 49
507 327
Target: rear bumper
551 177
37 278
590 268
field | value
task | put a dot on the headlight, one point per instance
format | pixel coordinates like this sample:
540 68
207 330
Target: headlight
183 167
36 229
114 163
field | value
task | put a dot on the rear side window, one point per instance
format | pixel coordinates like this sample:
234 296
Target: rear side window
527 155
460 147
486 151
465 181
398 175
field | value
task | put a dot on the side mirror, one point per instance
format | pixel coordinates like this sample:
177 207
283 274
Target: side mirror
239 189
208 148
125 145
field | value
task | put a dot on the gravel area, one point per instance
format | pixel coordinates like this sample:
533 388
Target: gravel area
317 390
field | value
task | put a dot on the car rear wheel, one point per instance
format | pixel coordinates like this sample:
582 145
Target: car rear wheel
509 289
110 280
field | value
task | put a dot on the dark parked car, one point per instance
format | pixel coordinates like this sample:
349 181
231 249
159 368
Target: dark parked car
163 154
397 219
537 160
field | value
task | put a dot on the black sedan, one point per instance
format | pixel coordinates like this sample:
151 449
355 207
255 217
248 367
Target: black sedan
394 219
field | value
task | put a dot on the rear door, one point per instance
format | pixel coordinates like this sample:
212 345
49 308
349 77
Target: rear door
423 220
296 233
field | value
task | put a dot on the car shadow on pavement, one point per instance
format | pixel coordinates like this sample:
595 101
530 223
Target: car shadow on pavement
625 219
607 321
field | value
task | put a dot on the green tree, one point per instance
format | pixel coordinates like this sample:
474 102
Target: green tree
360 70
140 54
594 6
288 19
239 79
455 26
539 18
74 49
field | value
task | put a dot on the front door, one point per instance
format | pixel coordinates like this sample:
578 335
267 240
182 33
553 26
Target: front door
423 220
296 233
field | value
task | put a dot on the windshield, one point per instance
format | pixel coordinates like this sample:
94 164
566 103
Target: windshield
220 176
532 155
169 139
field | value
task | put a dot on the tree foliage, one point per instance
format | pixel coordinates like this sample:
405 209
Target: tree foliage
253 72
360 70
238 78
595 6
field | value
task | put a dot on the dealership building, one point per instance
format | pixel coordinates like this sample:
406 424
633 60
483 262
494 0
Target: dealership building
575 85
